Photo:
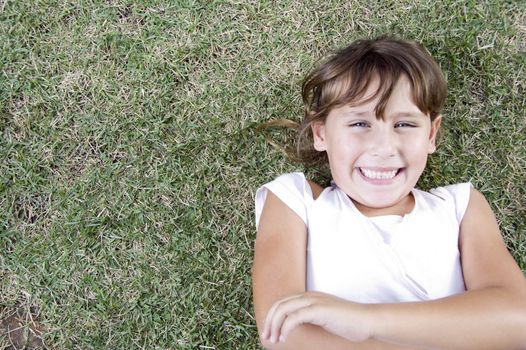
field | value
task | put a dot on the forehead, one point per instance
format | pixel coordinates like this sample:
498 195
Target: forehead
394 99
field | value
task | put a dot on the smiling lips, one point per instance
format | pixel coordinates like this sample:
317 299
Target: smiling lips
378 175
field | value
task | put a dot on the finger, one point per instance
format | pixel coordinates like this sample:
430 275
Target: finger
270 314
296 318
282 312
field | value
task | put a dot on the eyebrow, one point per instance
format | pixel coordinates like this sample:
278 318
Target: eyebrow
410 114
357 113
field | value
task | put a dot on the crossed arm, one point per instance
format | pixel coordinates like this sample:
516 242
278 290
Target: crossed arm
490 315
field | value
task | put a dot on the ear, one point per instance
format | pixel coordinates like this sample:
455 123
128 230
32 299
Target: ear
435 126
318 133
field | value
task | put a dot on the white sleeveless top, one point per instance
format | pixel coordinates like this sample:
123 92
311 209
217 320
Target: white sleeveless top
379 259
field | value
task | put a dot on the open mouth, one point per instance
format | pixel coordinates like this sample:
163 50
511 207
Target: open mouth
380 175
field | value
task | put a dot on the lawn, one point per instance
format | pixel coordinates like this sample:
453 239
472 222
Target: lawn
129 154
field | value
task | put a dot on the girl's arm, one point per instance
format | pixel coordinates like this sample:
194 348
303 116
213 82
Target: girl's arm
490 315
279 270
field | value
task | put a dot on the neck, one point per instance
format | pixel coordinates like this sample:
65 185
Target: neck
403 207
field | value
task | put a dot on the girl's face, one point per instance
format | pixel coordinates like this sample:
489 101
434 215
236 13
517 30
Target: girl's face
377 162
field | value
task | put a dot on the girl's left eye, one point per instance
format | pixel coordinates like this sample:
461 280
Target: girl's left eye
404 125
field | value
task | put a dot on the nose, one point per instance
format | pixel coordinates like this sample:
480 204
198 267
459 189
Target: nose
383 143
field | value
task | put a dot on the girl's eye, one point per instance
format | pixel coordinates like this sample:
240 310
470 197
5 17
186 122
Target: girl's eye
359 125
404 125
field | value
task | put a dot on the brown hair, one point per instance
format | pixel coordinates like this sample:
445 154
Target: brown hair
345 76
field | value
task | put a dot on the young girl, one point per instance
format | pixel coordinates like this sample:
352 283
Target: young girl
371 262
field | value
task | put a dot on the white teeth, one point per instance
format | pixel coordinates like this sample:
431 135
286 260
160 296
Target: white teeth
378 175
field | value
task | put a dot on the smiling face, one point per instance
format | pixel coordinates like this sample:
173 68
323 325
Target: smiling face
377 162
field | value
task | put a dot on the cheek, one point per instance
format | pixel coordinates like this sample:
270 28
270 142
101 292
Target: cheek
341 149
416 143
418 153
413 150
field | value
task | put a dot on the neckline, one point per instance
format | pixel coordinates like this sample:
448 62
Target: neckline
386 218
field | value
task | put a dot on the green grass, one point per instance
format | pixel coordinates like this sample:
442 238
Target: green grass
129 156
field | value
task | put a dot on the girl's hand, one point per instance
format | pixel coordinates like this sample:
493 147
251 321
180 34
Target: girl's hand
338 316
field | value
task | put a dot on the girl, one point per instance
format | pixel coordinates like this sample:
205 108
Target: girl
371 262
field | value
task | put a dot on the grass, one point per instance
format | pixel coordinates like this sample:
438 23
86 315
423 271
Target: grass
129 156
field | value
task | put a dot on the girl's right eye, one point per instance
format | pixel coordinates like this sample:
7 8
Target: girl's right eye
359 124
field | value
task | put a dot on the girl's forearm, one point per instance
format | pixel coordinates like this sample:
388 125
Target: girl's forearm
493 318
309 337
